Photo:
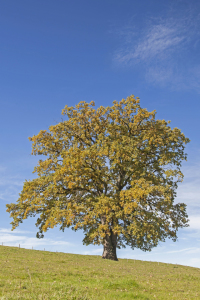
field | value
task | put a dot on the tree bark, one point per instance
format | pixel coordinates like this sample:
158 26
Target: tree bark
109 245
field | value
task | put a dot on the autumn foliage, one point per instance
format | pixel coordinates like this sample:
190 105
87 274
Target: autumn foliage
111 171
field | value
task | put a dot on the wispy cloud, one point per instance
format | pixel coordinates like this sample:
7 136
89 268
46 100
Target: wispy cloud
194 222
10 186
9 238
5 231
162 49
93 252
191 250
11 182
155 42
10 192
189 191
194 261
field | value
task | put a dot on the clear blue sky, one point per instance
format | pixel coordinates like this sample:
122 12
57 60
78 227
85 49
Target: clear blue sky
54 53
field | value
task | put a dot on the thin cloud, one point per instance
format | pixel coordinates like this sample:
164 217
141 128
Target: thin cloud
92 252
194 261
189 191
194 222
10 239
158 40
9 180
5 230
10 185
191 250
160 74
162 50
12 181
9 193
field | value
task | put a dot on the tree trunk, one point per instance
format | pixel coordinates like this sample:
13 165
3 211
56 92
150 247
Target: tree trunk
109 246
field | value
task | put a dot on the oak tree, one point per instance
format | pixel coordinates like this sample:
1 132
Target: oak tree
112 172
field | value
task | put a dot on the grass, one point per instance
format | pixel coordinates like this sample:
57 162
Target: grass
32 274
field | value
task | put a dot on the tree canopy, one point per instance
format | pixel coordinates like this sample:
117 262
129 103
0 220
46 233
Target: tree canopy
111 171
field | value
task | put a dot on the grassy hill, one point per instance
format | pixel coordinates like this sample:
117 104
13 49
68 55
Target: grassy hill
33 274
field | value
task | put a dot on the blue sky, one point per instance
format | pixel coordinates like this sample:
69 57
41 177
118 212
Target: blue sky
54 53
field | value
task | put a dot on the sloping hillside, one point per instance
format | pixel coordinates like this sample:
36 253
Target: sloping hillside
31 274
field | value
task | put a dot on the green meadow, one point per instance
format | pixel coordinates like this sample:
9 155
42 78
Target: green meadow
34 274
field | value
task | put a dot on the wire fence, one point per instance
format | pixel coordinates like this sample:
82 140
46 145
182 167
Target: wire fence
3 244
